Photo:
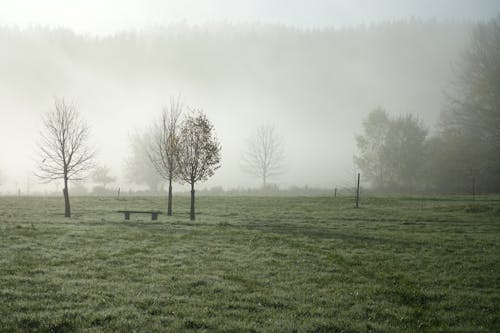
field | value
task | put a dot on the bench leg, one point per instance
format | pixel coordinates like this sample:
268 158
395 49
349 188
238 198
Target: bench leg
154 216
127 216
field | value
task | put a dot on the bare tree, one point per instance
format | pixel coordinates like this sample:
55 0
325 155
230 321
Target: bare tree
265 154
163 149
64 149
199 152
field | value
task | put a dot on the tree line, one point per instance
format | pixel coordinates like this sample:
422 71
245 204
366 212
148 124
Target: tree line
182 148
263 157
266 69
463 155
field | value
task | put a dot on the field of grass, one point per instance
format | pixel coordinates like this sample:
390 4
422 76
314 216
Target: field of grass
251 264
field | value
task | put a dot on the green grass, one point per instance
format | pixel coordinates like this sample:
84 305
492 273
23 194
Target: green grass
249 264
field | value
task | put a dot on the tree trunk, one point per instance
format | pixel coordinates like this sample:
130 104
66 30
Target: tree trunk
357 192
473 188
169 209
192 214
67 209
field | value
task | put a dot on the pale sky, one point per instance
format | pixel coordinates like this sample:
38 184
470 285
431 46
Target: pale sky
107 17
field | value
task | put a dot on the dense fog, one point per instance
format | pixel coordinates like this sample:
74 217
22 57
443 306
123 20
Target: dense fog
314 85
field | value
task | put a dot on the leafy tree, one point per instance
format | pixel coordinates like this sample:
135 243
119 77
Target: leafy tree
475 101
164 144
265 154
199 152
454 162
64 150
392 151
370 145
470 128
404 151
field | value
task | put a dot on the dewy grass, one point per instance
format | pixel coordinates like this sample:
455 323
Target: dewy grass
251 264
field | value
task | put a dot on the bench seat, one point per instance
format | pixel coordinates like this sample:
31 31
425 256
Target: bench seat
154 213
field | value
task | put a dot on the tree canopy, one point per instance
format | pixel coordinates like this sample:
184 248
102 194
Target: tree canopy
391 151
470 129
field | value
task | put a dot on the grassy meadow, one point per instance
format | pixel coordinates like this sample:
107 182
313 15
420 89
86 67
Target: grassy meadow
251 264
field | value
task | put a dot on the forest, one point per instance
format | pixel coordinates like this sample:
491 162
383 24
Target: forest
464 153
421 75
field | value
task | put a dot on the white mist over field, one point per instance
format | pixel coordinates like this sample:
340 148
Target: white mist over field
313 69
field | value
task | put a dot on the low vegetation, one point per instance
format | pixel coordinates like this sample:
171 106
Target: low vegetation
251 264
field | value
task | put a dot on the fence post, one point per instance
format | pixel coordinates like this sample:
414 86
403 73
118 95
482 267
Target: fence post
357 192
473 188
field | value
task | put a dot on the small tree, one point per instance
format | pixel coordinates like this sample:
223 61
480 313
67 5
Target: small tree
265 154
64 149
198 152
101 176
163 149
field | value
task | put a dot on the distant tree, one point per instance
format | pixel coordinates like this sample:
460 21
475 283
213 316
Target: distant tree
139 169
64 150
164 144
474 113
265 154
199 152
475 100
101 175
404 152
455 161
371 145
392 151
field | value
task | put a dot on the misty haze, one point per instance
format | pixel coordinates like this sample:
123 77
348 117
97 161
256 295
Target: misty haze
250 166
314 86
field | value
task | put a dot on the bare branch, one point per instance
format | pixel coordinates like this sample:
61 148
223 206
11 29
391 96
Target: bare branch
265 154
63 148
162 151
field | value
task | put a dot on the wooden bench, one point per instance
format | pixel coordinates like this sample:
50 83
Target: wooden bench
154 213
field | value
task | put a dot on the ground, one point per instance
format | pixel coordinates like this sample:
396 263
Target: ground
251 264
